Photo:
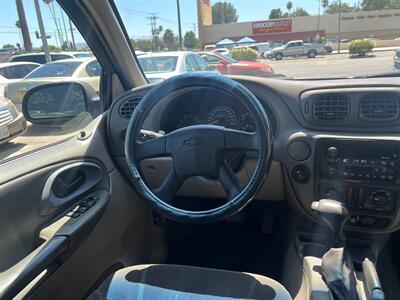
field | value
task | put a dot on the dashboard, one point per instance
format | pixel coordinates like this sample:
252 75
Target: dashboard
335 139
200 107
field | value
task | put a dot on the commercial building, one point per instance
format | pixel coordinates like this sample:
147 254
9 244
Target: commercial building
384 24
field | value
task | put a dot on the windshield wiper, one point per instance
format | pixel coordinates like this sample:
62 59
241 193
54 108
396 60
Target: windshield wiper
378 75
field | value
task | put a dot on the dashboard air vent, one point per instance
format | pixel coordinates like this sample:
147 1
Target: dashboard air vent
126 109
331 108
379 107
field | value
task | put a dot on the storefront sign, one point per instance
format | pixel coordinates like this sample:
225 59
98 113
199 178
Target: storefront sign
272 26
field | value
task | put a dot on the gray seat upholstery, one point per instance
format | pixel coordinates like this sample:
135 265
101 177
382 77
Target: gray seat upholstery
148 282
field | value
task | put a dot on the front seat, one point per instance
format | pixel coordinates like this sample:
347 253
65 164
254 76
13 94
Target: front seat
149 282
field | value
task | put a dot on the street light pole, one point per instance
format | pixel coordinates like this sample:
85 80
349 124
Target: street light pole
339 24
42 32
319 14
179 24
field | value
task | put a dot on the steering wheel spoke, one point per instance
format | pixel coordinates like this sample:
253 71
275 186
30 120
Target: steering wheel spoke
170 186
241 140
155 147
229 181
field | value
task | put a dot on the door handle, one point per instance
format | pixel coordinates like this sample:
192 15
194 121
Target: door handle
68 182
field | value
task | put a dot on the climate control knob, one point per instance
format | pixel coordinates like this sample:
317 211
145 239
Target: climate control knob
380 198
332 152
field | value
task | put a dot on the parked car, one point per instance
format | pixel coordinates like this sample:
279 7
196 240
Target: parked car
82 69
41 59
160 66
210 47
223 51
396 64
15 70
228 66
296 48
12 122
261 47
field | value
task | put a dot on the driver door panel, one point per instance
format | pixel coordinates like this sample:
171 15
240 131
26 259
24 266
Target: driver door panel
65 210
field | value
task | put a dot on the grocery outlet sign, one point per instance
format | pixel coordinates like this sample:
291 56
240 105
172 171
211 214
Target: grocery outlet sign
272 26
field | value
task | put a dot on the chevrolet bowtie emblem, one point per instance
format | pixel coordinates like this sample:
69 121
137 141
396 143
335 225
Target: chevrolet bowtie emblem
193 141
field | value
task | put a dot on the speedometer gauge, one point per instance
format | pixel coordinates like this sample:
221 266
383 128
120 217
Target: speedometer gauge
189 119
223 116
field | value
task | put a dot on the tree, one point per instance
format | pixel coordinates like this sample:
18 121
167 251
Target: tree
324 4
169 38
190 41
51 48
224 13
276 13
375 4
289 6
299 12
142 44
333 8
24 25
8 46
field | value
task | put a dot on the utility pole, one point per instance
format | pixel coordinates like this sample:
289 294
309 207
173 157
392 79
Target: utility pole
319 15
339 24
42 32
72 34
179 24
23 25
65 28
153 23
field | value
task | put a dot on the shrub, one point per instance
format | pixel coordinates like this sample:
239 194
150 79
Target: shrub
244 54
361 47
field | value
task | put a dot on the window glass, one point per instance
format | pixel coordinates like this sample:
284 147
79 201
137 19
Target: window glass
210 59
37 58
298 44
191 65
200 62
158 64
93 69
57 69
55 57
18 71
61 105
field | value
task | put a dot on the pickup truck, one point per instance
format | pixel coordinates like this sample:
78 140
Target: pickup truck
296 48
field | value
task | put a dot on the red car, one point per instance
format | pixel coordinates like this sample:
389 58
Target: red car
228 66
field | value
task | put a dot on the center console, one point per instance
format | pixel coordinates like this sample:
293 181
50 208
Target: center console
363 175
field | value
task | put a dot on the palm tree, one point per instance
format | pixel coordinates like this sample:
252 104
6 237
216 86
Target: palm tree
23 25
289 6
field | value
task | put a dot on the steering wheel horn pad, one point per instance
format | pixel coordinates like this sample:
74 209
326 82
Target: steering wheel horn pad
199 150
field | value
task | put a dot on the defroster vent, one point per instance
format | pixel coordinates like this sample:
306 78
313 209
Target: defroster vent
331 108
379 107
126 109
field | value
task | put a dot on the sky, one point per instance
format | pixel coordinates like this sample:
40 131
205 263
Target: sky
134 14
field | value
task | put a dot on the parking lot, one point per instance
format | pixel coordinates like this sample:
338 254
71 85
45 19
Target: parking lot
334 65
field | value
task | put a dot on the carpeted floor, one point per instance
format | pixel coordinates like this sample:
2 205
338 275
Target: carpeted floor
238 245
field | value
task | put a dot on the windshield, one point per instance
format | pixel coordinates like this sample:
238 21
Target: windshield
161 64
293 39
65 69
83 55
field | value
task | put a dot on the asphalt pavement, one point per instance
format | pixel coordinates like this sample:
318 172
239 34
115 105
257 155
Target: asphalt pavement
334 65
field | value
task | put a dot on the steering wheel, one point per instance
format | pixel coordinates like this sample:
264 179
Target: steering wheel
199 150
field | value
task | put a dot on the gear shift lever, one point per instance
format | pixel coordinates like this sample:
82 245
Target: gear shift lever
335 215
336 267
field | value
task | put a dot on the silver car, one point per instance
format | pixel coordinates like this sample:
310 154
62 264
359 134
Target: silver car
12 122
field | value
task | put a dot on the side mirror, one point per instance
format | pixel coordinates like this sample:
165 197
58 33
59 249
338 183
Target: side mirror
58 103
211 68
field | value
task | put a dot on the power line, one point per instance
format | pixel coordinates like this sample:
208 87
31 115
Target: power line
154 30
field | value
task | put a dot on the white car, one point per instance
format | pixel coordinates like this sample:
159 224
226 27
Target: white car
223 51
161 66
86 70
15 70
41 58
10 72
